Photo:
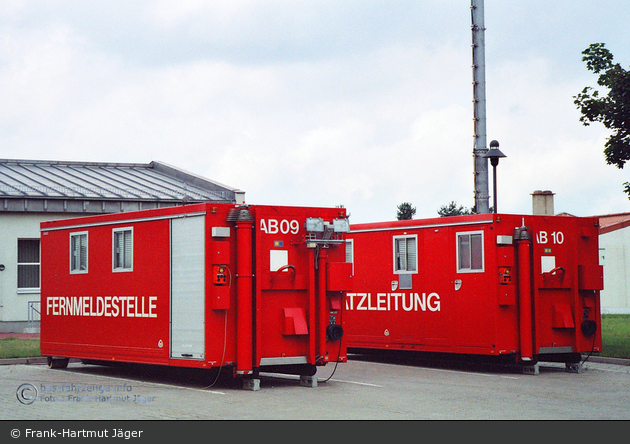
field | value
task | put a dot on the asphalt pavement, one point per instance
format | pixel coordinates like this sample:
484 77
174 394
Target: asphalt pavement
365 388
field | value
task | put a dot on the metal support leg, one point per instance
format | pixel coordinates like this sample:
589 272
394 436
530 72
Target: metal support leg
252 384
531 369
574 367
308 381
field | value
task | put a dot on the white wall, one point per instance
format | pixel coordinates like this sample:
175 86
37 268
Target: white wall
614 248
14 226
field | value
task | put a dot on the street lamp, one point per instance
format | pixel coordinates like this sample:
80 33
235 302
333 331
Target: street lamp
494 154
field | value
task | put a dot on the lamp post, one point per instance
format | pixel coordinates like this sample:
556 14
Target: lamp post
494 154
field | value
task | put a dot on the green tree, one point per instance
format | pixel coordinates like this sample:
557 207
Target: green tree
453 209
405 211
612 109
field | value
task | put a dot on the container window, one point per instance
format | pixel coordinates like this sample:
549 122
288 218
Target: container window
349 251
470 252
405 254
123 249
28 264
79 252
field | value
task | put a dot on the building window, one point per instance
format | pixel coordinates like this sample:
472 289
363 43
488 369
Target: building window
79 252
405 254
470 252
123 249
28 264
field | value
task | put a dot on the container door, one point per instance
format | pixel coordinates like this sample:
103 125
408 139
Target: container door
188 287
286 292
568 278
555 272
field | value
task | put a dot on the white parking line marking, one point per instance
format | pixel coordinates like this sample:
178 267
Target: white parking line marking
358 383
214 392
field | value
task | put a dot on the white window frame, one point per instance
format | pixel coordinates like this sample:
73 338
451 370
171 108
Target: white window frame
87 243
458 252
25 290
122 269
395 253
350 252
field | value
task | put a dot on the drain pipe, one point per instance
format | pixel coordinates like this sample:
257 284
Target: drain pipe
322 319
311 301
244 289
523 240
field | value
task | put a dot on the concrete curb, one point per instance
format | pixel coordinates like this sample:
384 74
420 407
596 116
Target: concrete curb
605 360
33 360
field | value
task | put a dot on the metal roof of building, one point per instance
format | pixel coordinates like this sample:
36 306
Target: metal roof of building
613 222
103 187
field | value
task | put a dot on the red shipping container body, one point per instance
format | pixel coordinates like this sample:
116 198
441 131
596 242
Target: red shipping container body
202 285
526 287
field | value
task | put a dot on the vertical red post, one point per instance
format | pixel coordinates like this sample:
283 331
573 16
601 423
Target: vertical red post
311 304
525 293
244 296
321 303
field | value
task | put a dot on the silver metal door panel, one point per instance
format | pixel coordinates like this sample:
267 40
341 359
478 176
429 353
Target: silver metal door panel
188 287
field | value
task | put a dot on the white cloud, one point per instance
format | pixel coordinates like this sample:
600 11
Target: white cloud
317 103
531 113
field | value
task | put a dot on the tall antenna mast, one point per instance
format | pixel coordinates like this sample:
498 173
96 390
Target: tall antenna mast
479 107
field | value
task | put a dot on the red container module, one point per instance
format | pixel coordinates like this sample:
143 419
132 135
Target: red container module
254 288
521 286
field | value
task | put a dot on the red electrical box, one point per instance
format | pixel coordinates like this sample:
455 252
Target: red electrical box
204 285
522 286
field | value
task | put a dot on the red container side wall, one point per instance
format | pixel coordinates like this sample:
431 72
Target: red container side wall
103 312
459 302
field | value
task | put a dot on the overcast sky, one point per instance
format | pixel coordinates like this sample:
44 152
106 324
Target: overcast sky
365 104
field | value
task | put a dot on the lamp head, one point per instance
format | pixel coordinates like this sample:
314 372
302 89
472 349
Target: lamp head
494 154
